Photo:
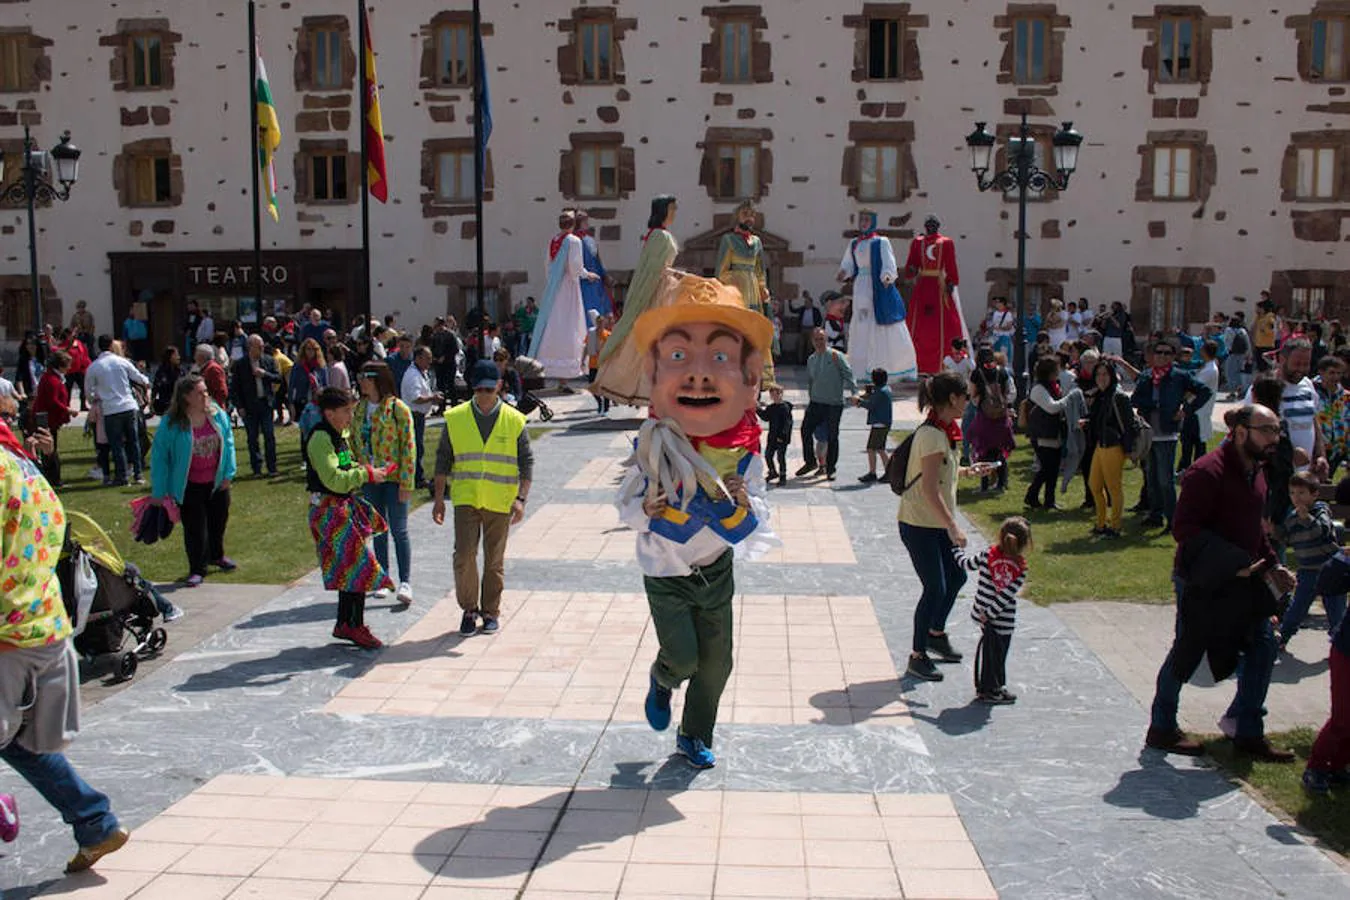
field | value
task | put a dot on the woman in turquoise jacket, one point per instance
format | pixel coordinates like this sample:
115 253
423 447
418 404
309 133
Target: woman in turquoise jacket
192 463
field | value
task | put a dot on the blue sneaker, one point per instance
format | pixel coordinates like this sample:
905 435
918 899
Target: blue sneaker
468 624
694 750
1317 782
658 705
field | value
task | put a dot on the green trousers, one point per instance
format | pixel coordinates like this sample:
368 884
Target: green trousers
692 616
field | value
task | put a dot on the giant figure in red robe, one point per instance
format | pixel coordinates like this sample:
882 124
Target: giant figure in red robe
935 303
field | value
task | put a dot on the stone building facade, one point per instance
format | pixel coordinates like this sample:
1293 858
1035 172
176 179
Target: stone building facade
1217 161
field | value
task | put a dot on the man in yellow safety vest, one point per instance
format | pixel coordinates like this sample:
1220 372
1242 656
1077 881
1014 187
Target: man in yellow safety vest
485 453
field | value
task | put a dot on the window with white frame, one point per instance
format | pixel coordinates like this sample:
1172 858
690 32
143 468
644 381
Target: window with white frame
454 175
1174 172
1316 173
879 174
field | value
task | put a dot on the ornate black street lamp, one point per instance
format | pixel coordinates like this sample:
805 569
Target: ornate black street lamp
1023 175
45 177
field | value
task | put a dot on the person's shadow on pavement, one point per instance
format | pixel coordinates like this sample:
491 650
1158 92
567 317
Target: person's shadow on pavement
517 840
864 699
1164 792
955 721
279 669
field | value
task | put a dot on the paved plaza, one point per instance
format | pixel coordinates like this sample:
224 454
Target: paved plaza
268 761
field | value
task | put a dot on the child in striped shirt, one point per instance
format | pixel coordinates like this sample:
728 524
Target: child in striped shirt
1311 535
1002 572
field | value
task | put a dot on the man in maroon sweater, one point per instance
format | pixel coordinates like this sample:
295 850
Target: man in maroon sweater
1220 509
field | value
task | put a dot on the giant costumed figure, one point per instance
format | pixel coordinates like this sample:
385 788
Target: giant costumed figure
594 293
935 303
878 338
622 376
559 338
695 493
740 263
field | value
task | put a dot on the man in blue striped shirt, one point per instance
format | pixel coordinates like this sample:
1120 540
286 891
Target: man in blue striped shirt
1299 405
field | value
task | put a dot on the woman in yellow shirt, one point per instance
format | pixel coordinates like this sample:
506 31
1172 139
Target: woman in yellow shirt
928 526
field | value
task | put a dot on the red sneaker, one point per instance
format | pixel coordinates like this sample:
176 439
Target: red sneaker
361 637
342 632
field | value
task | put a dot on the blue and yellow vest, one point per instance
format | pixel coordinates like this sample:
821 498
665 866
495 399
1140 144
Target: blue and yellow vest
728 521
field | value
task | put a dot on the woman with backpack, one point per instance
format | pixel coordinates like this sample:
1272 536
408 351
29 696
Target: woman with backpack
930 462
1046 427
991 433
1111 423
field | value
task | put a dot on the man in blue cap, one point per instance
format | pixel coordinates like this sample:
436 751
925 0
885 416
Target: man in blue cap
485 453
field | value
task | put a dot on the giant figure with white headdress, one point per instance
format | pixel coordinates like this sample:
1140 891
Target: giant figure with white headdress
878 337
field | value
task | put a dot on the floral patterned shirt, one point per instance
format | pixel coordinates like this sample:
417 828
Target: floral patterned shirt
1333 417
32 530
391 438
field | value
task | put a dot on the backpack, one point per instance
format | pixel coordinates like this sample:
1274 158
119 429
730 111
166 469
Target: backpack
898 465
1240 345
994 405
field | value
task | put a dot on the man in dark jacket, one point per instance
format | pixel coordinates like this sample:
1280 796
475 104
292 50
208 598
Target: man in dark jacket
1222 564
1164 396
255 379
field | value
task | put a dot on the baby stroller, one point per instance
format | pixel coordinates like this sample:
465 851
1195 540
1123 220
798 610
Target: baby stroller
531 379
116 602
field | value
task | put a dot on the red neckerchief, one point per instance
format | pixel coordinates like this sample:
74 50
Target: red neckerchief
868 236
1004 569
952 429
1160 374
10 442
744 435
649 233
555 244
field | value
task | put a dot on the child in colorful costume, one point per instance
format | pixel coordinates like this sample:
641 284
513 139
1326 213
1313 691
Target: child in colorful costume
340 520
694 492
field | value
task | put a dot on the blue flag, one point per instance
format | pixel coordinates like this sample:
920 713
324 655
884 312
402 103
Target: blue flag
485 106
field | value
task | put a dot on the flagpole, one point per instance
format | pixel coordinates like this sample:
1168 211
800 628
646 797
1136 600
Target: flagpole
365 166
257 164
479 164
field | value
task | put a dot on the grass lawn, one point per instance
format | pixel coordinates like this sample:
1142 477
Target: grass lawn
268 534
1280 786
1066 563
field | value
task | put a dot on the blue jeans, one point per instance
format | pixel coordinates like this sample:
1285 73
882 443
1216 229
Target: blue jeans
930 549
123 443
384 497
1162 478
1304 592
87 811
1003 344
967 425
1253 682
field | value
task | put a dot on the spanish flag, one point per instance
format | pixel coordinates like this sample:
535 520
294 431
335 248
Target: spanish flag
269 135
374 125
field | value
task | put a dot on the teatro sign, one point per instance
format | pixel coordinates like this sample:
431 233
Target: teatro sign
236 276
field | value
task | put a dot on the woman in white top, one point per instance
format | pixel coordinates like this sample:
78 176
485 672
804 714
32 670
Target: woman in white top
1073 322
1046 426
1002 325
1056 324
